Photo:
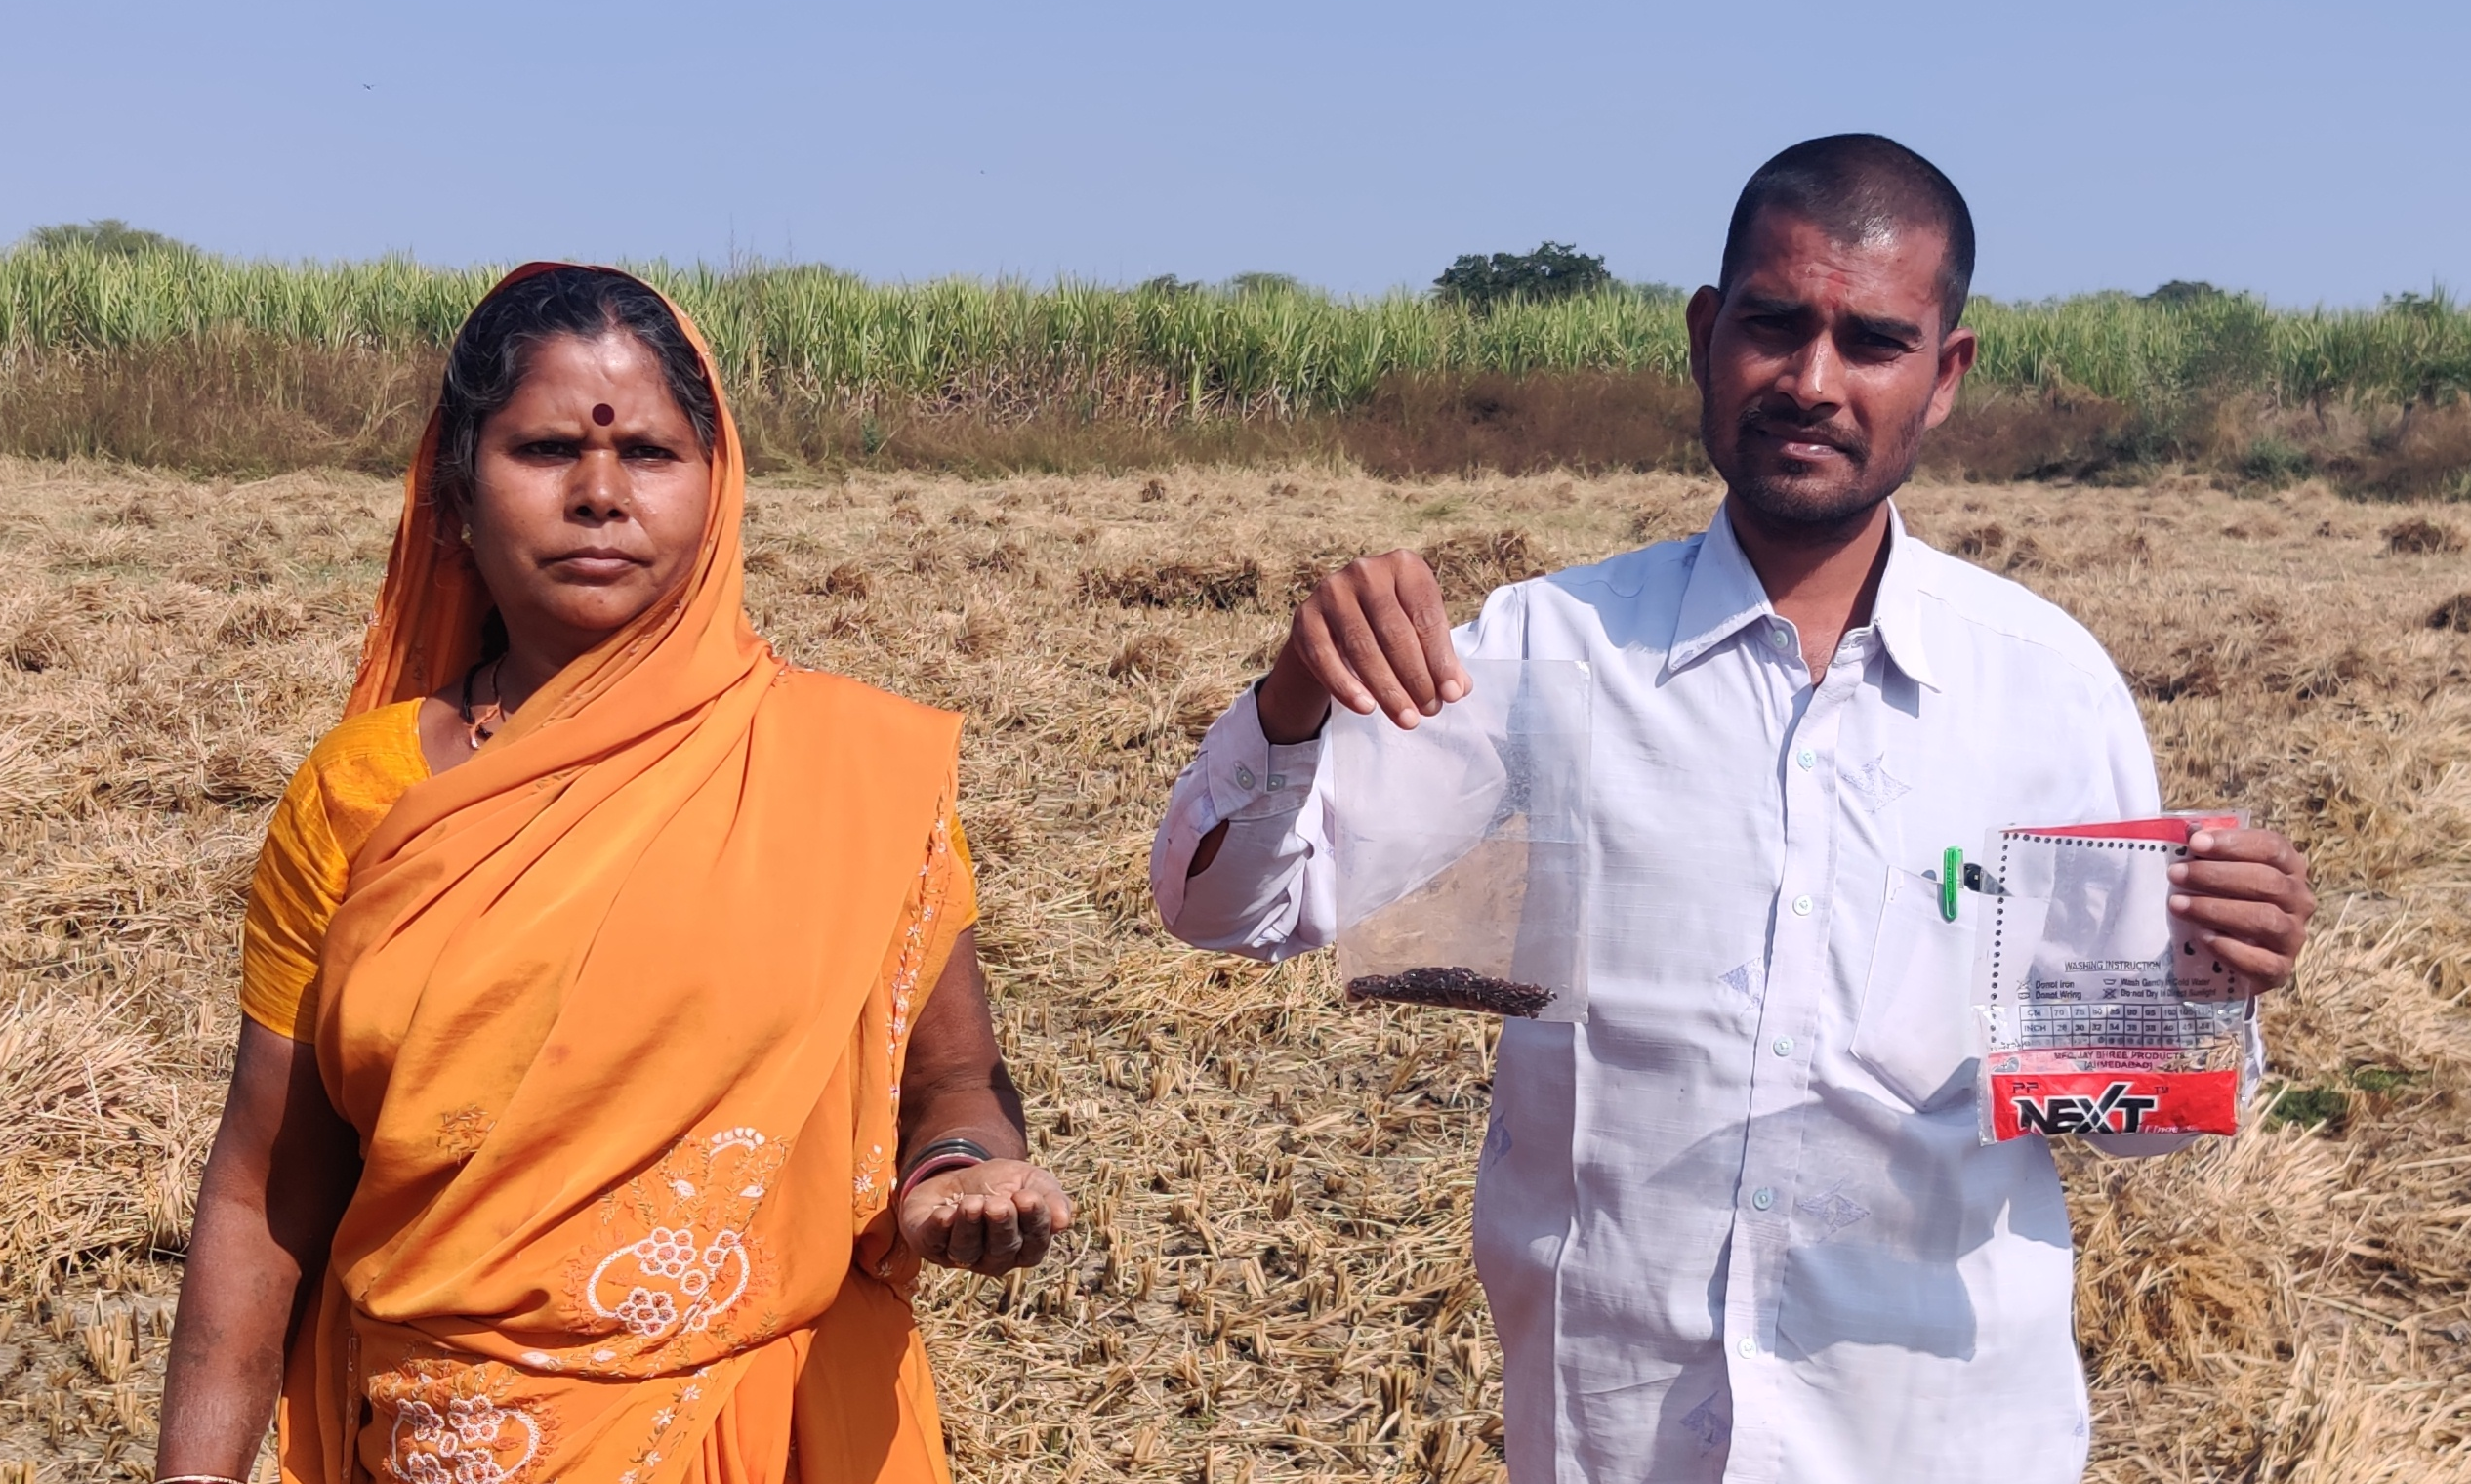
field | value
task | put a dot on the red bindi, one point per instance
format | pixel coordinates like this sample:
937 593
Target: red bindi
601 414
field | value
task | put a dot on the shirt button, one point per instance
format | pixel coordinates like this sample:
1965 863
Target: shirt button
1802 906
1748 1349
1277 782
1779 638
1807 759
1244 777
1762 1198
1784 1045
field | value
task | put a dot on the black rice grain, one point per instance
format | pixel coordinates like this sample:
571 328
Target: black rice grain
1453 989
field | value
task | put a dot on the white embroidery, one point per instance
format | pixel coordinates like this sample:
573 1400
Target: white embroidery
1876 787
690 1272
685 1287
868 1179
472 1441
1747 980
1832 1207
1703 1424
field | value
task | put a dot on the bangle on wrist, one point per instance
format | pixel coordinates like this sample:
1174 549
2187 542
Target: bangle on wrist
936 1158
198 1478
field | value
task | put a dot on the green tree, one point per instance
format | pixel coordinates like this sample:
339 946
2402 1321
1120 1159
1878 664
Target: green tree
1554 271
110 237
1246 285
2180 292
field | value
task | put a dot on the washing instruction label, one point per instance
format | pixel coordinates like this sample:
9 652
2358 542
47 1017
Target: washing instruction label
2101 1012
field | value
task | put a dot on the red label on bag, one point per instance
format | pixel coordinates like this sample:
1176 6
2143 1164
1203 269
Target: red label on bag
2113 1102
2176 829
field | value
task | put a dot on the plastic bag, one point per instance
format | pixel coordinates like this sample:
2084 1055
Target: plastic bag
1460 847
2100 1012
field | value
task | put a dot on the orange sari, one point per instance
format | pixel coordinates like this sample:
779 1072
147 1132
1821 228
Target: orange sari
618 1008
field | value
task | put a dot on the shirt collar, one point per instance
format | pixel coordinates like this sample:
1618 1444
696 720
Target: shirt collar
1896 614
1724 596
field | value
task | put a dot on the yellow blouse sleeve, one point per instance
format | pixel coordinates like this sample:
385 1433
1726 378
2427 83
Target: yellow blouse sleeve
349 781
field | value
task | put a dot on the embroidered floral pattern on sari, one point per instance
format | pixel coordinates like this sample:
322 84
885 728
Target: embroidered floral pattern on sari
667 1419
453 1423
868 1182
462 1133
692 1267
870 1189
932 879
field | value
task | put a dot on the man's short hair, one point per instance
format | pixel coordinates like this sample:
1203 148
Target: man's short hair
1859 188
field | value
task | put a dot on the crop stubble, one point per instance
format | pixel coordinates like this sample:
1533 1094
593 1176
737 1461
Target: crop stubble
1271 1279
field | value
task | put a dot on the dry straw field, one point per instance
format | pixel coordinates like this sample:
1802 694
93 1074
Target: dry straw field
1272 1280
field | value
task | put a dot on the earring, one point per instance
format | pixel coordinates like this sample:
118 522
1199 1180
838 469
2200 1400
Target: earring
466 533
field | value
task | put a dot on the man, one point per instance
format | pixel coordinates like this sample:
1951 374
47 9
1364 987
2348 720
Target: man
1738 1223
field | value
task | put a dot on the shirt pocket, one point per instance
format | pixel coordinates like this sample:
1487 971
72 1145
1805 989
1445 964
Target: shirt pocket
1916 1032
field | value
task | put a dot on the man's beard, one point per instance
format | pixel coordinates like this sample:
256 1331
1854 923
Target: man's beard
1789 507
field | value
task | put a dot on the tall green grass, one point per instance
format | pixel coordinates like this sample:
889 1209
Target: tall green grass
810 332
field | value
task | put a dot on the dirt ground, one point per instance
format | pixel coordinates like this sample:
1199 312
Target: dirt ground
1272 1277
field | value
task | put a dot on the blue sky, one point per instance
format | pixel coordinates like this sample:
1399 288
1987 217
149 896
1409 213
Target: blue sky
2313 153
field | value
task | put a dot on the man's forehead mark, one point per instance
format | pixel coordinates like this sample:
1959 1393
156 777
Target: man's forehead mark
604 414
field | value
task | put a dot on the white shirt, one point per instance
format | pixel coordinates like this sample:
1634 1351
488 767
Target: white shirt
1738 1225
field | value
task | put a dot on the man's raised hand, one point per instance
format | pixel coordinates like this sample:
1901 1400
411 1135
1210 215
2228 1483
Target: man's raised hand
2246 893
1373 637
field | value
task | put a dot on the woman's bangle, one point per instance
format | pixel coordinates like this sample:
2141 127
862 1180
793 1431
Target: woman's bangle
936 1158
198 1478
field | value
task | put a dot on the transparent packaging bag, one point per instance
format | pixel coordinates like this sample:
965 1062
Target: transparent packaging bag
1460 847
2099 1010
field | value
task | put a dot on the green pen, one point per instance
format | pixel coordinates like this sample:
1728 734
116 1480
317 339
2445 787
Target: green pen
1951 876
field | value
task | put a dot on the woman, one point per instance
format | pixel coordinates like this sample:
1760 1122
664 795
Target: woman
615 1040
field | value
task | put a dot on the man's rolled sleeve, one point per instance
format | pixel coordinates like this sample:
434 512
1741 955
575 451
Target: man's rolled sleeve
1253 900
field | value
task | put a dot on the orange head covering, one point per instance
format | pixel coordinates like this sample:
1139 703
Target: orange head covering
618 1008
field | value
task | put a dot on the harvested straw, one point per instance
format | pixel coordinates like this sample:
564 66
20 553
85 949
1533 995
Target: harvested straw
1271 1278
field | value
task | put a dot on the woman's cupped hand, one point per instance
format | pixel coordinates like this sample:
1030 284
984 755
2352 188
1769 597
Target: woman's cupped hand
987 1218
